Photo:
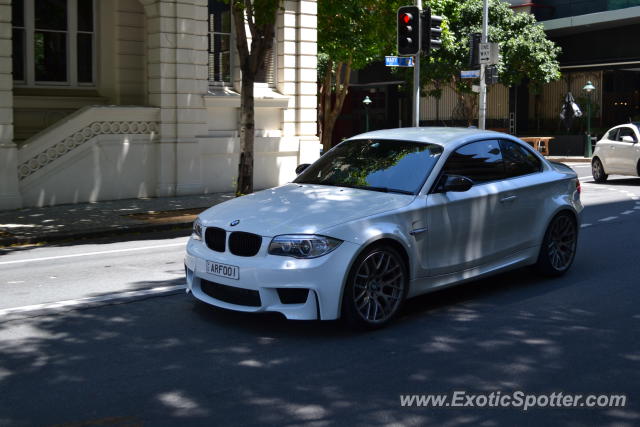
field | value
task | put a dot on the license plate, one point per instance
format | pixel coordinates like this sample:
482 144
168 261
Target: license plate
223 270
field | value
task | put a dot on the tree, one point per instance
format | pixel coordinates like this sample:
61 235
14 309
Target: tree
526 52
260 17
351 34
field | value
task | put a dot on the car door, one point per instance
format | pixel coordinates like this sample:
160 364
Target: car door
463 227
523 212
605 149
619 151
626 146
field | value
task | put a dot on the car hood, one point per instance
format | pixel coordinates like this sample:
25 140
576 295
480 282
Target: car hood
300 208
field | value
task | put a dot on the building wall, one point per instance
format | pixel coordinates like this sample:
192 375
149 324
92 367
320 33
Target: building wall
182 137
130 52
550 99
497 104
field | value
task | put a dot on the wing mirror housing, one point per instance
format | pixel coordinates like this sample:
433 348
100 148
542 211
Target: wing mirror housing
302 167
628 138
457 183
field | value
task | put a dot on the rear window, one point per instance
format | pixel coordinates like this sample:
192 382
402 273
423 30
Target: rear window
518 160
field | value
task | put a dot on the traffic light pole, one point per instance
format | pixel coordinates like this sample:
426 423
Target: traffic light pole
416 78
482 114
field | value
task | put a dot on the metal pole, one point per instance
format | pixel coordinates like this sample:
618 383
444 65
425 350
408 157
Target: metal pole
588 151
366 118
416 78
482 114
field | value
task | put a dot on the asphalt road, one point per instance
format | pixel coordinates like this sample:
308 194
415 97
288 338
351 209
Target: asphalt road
165 360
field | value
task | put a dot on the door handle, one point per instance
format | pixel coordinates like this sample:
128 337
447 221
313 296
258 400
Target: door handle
508 199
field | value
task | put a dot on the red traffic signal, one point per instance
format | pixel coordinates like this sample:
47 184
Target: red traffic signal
408 30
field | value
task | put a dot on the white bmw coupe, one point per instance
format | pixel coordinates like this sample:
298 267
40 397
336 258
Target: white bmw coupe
382 217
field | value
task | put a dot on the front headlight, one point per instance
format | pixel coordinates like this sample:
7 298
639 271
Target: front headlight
302 245
197 230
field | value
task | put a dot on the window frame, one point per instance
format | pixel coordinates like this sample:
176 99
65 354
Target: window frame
71 32
232 53
630 129
436 183
524 147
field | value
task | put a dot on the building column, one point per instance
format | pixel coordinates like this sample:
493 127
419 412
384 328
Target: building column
177 81
10 197
297 68
306 81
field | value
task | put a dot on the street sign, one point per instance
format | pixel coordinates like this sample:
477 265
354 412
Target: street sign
470 74
489 53
398 61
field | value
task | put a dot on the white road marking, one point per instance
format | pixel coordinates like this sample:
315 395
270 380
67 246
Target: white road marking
91 300
113 251
609 218
585 225
627 212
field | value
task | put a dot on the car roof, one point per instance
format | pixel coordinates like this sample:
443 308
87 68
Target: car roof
445 136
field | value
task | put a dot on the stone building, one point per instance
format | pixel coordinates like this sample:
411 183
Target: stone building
113 99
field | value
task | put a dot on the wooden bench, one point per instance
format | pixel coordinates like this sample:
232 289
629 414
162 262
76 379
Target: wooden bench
539 143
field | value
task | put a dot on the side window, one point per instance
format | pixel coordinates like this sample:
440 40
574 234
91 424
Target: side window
518 160
612 135
626 131
480 161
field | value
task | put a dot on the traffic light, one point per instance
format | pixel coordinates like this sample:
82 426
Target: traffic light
431 31
474 50
491 75
408 30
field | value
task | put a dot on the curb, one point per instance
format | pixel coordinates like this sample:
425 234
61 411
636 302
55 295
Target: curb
569 159
81 235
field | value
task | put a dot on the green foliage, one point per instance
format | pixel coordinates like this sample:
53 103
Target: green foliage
526 52
360 30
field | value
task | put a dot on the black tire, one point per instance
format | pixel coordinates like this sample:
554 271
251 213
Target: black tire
558 249
597 171
376 288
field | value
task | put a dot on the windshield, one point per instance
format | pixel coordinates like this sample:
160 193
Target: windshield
374 164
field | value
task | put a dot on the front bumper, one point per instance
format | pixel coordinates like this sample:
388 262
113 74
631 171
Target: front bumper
324 277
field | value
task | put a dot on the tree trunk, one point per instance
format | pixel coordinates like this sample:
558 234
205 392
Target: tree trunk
247 135
332 105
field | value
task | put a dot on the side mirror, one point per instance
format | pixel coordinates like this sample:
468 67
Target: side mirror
628 138
456 183
302 167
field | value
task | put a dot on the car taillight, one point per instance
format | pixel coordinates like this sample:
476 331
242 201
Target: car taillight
578 186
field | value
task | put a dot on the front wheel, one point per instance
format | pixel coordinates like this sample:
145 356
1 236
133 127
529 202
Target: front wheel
559 245
376 288
597 170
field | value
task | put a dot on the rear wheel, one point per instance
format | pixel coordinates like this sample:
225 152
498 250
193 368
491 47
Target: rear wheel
597 170
559 245
376 288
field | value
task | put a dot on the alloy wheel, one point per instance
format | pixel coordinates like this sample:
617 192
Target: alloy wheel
562 242
597 171
378 287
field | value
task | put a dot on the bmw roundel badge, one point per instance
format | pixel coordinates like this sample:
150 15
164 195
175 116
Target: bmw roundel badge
235 222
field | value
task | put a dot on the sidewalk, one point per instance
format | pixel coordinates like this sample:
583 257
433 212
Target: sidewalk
99 219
